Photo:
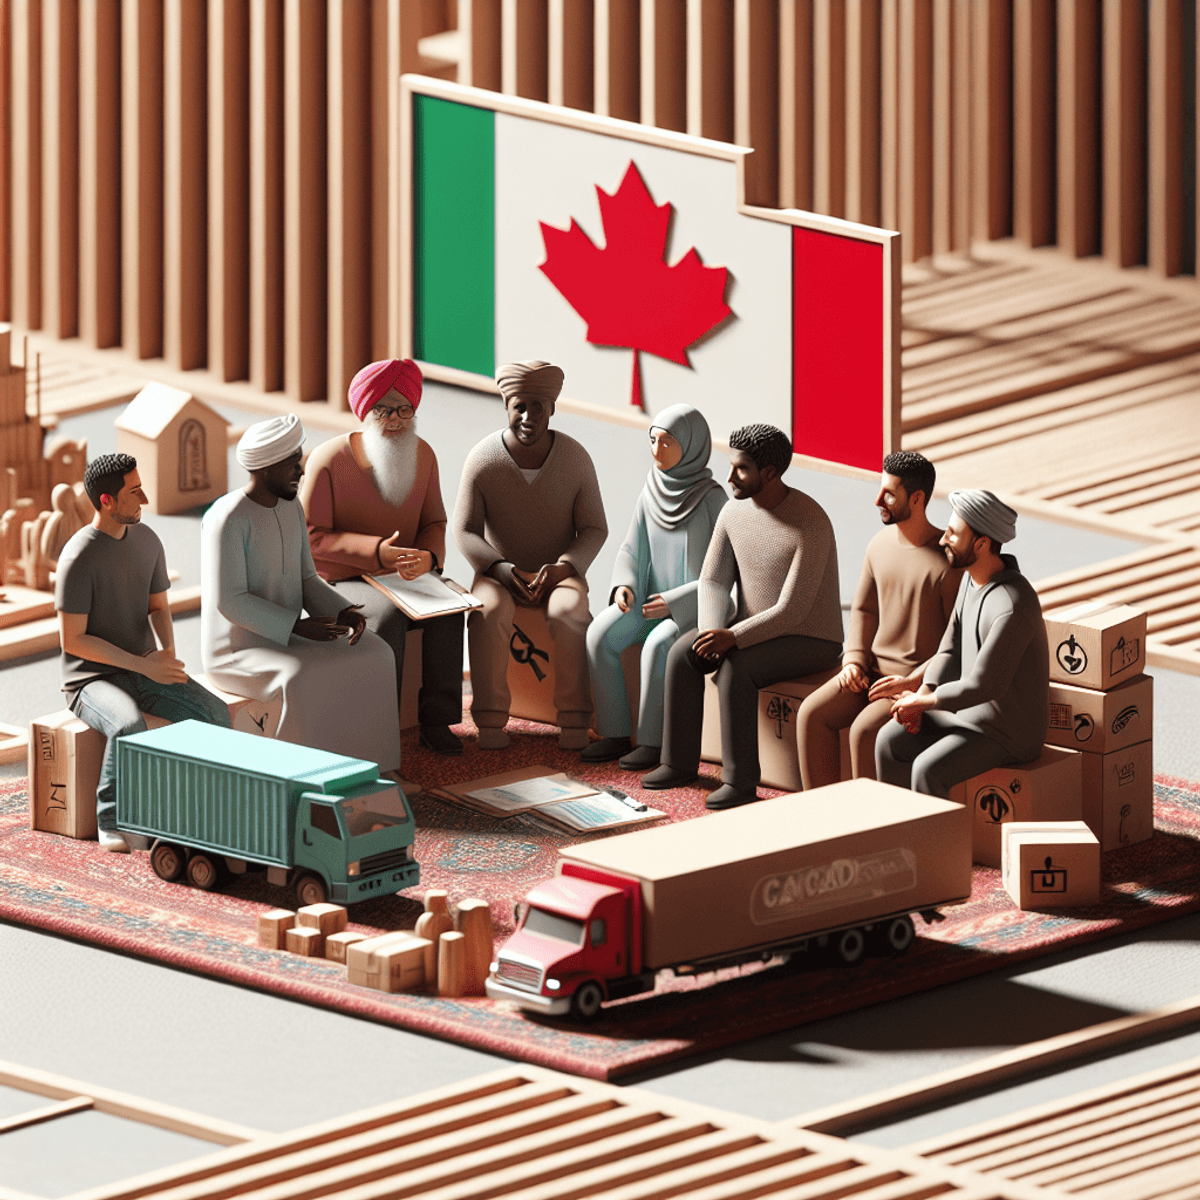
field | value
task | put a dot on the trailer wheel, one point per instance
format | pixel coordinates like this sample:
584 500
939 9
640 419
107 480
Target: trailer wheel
898 935
310 889
167 861
587 1000
849 947
202 872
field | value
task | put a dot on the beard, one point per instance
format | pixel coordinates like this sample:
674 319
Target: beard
127 520
393 459
959 561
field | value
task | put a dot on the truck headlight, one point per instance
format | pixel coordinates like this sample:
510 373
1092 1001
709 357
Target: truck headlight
353 868
553 984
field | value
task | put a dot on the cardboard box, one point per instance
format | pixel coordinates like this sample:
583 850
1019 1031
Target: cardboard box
1098 722
778 756
531 670
787 867
328 918
64 769
1118 795
1050 789
273 927
1051 864
337 944
394 962
305 941
259 717
1097 645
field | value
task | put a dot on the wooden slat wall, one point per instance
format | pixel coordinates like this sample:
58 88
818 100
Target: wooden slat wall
213 181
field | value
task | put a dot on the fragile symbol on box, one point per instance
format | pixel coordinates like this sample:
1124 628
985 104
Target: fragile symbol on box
1072 657
1122 836
1048 879
780 711
1125 773
1127 714
526 651
994 801
1124 655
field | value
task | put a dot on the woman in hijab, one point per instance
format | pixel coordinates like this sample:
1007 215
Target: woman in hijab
653 596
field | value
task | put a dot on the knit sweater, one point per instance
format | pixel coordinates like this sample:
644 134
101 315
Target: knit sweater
348 518
784 563
499 516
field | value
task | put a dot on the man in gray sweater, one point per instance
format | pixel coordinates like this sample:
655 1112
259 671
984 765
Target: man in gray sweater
985 701
779 550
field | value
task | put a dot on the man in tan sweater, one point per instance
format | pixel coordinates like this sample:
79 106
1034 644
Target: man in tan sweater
530 520
905 597
779 550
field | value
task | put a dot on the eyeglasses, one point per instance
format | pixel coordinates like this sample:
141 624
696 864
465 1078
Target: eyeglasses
383 413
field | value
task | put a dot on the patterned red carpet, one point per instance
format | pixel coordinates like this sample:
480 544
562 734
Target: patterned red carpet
74 888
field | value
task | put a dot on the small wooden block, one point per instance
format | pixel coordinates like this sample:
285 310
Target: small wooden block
305 941
336 944
14 743
473 919
273 927
397 966
328 918
451 955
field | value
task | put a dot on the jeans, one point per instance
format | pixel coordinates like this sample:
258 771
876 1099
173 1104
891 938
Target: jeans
113 705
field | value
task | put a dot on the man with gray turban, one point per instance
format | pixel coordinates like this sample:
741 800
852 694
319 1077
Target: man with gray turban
530 520
985 700
257 580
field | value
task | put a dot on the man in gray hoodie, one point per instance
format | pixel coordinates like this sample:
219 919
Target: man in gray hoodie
985 700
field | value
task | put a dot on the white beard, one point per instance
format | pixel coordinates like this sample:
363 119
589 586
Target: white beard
393 460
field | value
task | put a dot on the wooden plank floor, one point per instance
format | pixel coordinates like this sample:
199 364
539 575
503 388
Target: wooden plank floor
1072 389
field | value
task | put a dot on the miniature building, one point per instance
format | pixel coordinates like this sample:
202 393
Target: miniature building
180 444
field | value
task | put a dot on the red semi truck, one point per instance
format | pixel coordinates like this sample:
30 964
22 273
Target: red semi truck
842 866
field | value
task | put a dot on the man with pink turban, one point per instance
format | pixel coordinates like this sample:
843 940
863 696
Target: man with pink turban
374 505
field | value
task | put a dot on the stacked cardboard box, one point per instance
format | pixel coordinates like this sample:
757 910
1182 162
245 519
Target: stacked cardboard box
1101 704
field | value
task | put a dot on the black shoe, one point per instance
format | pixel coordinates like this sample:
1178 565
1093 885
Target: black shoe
440 740
727 796
644 758
605 750
668 777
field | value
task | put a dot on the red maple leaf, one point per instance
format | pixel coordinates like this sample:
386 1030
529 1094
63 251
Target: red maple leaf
626 292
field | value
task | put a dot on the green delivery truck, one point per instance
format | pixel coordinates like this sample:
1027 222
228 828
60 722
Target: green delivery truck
214 800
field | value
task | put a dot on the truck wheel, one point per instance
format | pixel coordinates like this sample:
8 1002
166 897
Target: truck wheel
310 889
849 947
587 1000
202 872
898 935
167 861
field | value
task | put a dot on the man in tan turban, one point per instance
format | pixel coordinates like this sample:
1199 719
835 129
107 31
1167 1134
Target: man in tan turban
530 520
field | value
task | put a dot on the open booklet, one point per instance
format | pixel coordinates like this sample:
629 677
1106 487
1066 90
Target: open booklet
429 595
553 796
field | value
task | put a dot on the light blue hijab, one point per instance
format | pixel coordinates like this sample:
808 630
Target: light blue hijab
668 498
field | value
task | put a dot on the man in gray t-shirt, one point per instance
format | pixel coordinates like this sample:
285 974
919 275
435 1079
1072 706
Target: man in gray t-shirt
111 596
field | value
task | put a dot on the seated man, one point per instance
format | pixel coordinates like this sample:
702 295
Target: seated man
256 576
904 599
985 701
779 550
529 519
374 505
111 596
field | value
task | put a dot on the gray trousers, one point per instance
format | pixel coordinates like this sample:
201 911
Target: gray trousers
740 675
942 753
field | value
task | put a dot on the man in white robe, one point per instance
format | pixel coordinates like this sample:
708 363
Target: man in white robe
337 693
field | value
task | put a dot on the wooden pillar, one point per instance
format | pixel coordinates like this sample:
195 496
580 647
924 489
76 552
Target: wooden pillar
618 59
100 172
385 263
60 167
862 110
829 107
915 123
1033 104
1165 104
1124 203
479 25
889 115
571 62
664 64
756 95
1079 126
710 69
6 179
962 90
27 163
523 66
991 36
228 189
266 195
306 295
945 119
349 195
142 177
185 184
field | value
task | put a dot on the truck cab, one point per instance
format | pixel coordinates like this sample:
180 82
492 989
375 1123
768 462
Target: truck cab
572 943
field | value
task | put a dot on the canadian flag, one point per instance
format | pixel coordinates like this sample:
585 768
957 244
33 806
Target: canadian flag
624 255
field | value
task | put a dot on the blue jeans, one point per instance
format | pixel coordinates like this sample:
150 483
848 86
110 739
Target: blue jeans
114 705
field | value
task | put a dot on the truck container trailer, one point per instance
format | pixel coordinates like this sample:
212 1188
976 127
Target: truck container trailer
214 799
842 866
